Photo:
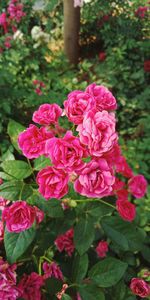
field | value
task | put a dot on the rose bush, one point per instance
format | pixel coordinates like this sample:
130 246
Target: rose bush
69 227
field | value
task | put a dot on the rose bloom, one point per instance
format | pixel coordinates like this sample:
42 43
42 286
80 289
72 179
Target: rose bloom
77 104
53 182
147 65
39 215
66 152
103 97
32 141
122 194
19 216
52 270
96 179
30 285
137 186
102 248
126 210
98 132
122 167
47 114
64 242
140 287
102 56
3 203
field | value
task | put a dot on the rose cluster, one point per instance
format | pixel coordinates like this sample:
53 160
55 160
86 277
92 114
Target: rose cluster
90 155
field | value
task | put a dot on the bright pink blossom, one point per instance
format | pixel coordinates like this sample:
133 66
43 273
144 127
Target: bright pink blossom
103 97
98 132
122 167
66 152
122 194
39 215
47 114
102 56
118 185
141 11
126 210
15 10
140 287
19 216
53 182
102 248
77 104
3 203
52 270
96 179
64 242
32 141
30 285
3 22
137 186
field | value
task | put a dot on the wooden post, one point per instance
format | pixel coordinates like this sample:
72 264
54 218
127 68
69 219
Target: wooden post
71 31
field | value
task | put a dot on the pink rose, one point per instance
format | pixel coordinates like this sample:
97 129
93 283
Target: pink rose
32 141
65 242
30 285
53 182
122 195
39 215
66 152
122 167
77 104
126 210
98 132
96 179
140 287
118 185
52 270
1 231
103 97
137 186
102 248
19 216
47 114
3 203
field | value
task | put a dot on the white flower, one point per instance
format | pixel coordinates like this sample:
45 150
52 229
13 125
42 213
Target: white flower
18 35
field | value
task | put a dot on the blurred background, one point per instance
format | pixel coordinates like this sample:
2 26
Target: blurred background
49 48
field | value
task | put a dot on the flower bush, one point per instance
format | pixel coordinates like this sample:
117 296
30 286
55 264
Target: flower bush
69 225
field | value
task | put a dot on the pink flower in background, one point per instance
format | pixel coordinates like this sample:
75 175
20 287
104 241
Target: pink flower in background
47 114
98 132
39 215
8 289
32 141
53 182
141 11
3 22
66 152
77 104
30 285
137 186
126 210
122 195
147 65
1 231
7 42
103 97
96 179
15 10
1 181
78 297
102 249
38 91
140 287
52 270
102 56
78 3
3 203
64 242
122 167
19 216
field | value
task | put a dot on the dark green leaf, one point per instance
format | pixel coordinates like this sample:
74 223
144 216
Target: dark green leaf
84 234
53 285
17 169
66 297
91 292
17 243
15 190
80 266
108 272
13 129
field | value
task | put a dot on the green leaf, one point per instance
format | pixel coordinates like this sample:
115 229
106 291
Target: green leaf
99 210
108 272
52 207
80 267
66 297
17 243
41 162
13 130
53 285
84 235
91 292
17 169
5 176
126 235
8 155
15 190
